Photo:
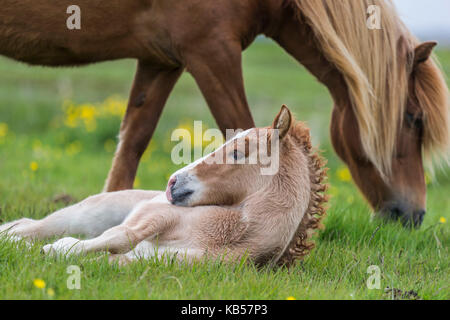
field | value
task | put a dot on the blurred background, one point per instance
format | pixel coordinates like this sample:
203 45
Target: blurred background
429 20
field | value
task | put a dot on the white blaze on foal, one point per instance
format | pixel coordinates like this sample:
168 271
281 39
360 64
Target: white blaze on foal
219 206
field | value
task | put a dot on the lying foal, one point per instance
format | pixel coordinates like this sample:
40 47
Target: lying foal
219 210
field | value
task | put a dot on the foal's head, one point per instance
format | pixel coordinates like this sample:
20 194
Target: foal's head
400 193
241 167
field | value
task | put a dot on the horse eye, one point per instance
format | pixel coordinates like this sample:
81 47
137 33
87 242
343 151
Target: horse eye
414 121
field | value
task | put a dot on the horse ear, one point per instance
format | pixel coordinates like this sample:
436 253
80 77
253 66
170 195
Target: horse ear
283 121
423 52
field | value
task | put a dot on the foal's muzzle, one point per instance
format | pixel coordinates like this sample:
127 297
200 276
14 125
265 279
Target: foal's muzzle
178 191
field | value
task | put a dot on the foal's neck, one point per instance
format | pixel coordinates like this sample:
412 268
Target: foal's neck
285 197
274 213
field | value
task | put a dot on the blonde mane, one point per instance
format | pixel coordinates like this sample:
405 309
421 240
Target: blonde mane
374 65
433 96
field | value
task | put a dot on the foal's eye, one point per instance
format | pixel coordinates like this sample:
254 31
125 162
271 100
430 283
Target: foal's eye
414 121
237 155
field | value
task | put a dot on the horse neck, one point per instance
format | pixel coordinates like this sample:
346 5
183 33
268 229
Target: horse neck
297 39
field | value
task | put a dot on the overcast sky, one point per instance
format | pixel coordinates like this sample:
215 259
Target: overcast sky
426 16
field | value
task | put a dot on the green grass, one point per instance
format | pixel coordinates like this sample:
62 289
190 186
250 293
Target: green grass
73 161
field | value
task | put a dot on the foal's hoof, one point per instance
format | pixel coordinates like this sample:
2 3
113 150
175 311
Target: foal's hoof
62 247
48 250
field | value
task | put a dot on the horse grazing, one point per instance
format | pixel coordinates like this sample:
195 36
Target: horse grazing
391 100
221 206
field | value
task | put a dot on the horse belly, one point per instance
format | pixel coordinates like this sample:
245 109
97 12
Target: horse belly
37 32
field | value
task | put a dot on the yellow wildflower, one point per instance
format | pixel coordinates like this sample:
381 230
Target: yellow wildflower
71 120
87 111
3 130
442 220
291 298
50 292
34 166
72 115
428 179
114 106
344 175
39 283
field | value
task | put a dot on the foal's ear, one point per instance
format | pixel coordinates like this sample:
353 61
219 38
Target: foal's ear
423 52
283 121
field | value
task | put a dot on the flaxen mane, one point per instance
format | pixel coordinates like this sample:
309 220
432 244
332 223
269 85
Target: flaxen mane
433 96
301 244
375 69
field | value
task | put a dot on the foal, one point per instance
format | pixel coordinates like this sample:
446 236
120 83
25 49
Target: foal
221 206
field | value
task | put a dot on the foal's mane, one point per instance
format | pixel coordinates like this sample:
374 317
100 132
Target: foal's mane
376 70
301 243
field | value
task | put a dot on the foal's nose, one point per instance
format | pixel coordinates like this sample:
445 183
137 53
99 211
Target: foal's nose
170 185
180 189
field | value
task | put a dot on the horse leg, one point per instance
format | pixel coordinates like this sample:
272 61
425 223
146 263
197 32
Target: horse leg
217 70
151 88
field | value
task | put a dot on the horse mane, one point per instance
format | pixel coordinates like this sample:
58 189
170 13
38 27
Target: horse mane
301 243
433 97
376 72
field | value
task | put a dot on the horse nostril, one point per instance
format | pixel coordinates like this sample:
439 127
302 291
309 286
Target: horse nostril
404 212
396 212
171 182
170 186
418 217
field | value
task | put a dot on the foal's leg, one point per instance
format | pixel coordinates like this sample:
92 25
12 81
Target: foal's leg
90 217
151 88
216 66
146 250
145 222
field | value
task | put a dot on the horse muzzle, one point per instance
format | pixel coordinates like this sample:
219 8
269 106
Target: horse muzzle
180 189
400 211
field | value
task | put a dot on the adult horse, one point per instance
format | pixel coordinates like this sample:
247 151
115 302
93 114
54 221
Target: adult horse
391 101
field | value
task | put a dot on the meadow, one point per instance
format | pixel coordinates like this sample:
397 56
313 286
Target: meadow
58 130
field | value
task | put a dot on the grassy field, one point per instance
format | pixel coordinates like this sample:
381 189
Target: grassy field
57 136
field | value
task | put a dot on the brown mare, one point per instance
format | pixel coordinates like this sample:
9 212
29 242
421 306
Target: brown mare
391 102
